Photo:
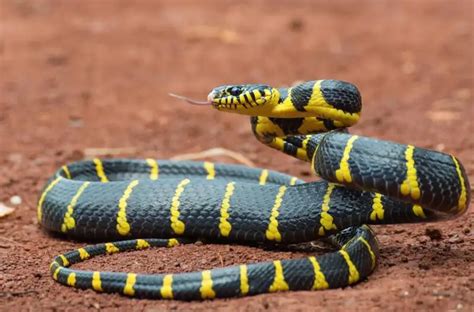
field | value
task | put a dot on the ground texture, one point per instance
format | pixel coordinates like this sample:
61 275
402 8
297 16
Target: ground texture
79 75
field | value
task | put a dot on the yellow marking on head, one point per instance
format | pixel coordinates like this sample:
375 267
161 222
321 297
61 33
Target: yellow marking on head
43 197
319 278
344 171
96 282
142 244
83 254
166 290
176 224
242 99
110 248
249 99
99 168
263 177
257 95
211 173
71 279
206 286
272 232
462 202
224 225
353 272
369 249
154 170
66 171
129 284
279 283
377 208
123 227
56 272
410 185
293 180
418 211
172 242
65 261
326 220
263 103
69 222
244 280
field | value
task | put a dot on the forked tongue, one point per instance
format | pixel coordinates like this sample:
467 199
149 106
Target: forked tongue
190 101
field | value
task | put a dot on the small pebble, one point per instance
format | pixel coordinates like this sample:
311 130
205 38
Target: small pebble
424 266
296 24
305 173
433 233
15 157
15 200
455 239
422 239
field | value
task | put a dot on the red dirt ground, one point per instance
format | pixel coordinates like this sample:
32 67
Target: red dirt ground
76 75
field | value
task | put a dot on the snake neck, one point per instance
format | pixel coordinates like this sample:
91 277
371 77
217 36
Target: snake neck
293 120
325 99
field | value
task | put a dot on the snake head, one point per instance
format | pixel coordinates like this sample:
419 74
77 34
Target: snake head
242 98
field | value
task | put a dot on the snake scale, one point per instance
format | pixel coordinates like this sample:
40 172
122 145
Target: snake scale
150 203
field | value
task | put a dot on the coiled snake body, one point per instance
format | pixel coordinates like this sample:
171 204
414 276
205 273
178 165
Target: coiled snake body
149 203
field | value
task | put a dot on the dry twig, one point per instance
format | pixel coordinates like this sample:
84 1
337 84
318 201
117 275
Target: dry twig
213 152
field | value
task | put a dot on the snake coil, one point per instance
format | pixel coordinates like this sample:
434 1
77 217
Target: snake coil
150 203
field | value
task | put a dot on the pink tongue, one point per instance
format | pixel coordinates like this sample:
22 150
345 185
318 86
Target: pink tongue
190 101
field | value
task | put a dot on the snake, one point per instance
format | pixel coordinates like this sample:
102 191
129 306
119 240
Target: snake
133 204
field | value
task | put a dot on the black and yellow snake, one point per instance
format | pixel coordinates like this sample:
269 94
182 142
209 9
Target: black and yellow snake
149 203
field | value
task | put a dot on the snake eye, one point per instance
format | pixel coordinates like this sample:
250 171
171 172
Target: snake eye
235 91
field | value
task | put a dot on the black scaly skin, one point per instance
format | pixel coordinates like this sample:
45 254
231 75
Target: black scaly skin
305 211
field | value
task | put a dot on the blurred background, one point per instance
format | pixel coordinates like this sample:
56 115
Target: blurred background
98 72
80 78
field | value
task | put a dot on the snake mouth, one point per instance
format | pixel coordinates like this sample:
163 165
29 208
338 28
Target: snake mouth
211 96
223 102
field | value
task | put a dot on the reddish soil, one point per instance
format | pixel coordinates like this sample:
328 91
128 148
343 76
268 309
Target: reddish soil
76 75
